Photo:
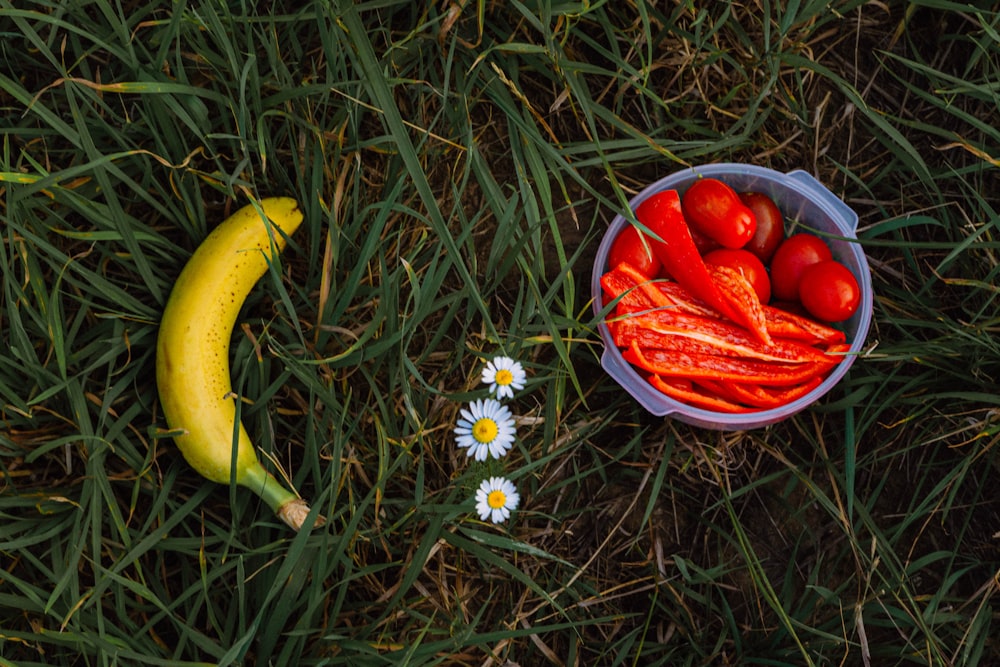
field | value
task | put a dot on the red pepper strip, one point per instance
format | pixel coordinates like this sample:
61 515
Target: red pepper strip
792 393
750 394
637 328
782 323
685 301
694 397
618 285
722 389
637 292
644 283
740 293
762 397
731 339
695 365
679 383
634 274
661 214
626 331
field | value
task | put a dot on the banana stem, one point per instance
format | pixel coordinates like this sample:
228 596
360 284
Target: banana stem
289 507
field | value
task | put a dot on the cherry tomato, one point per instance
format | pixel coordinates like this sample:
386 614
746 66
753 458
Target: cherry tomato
636 248
704 244
829 291
714 209
790 259
770 225
748 264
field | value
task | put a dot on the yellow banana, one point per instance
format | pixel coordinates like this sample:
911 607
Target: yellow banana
192 350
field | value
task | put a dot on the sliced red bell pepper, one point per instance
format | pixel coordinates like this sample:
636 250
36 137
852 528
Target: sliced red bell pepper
634 290
695 397
721 389
740 293
789 394
768 397
785 324
780 323
684 300
728 339
646 284
718 367
626 331
619 285
661 214
753 396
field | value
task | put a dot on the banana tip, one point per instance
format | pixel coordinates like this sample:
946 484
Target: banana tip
295 512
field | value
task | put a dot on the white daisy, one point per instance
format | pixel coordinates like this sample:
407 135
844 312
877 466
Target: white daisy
504 375
485 428
496 498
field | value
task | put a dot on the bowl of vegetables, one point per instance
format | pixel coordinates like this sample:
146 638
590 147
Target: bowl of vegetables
731 296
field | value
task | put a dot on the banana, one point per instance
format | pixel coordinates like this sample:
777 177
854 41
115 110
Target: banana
192 350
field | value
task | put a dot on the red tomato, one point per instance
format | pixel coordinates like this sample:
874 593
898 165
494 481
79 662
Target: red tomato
770 225
703 243
714 209
636 248
829 291
748 264
790 259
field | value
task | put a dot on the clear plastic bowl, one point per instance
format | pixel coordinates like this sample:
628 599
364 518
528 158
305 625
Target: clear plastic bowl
806 205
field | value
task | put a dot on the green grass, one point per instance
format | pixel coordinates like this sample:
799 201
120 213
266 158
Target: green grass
457 164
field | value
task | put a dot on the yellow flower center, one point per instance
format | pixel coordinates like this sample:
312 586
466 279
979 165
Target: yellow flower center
504 377
496 499
485 430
